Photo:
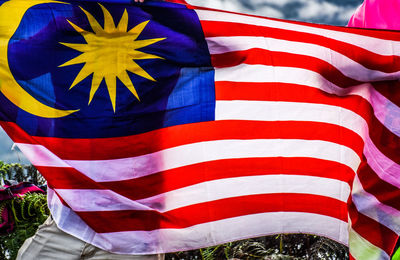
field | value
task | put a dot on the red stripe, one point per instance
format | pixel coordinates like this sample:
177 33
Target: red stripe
386 141
385 192
273 91
374 33
386 63
148 186
121 147
389 89
131 220
177 1
374 232
71 178
265 57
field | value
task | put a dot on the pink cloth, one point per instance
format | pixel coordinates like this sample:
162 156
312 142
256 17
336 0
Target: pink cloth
379 14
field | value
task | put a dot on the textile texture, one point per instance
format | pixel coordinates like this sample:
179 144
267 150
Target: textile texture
377 14
163 127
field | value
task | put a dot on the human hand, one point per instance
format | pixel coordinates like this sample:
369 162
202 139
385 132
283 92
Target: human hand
139 1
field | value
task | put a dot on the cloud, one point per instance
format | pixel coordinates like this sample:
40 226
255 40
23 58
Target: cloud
249 7
318 11
336 12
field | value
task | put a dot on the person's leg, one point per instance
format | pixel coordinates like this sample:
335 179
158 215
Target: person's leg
51 243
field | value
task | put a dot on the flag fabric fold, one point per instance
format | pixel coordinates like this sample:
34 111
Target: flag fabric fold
165 127
373 196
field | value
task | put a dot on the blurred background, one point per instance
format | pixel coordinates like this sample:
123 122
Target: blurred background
334 12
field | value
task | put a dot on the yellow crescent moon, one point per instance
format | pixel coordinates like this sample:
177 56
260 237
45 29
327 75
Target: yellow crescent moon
11 14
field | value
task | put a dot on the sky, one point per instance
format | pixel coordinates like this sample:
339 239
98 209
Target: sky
334 12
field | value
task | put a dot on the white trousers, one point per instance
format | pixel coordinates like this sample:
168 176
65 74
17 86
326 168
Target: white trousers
50 243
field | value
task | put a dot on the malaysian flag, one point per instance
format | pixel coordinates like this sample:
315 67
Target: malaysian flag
166 127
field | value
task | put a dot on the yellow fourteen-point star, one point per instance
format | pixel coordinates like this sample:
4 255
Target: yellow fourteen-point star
109 53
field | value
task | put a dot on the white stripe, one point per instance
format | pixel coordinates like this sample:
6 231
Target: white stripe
134 167
347 66
379 46
190 154
41 156
107 200
370 206
290 75
362 249
64 216
384 110
290 111
251 185
198 236
98 200
232 229
384 167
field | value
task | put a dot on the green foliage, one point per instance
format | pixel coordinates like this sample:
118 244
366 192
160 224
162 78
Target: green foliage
32 207
396 255
12 171
251 249
280 247
29 212
327 249
20 173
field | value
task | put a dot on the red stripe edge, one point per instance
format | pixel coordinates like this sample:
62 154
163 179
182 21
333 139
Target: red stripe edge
157 140
184 217
151 185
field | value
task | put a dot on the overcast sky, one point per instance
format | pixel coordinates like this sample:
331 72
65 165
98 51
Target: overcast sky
335 12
